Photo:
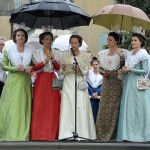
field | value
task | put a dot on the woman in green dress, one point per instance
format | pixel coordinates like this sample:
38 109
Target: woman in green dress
15 102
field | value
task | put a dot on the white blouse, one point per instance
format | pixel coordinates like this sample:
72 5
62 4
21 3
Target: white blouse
110 62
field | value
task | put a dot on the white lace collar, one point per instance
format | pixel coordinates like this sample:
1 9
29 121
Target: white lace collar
132 60
94 80
19 59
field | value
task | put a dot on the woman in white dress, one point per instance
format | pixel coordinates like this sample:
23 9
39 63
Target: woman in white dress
84 122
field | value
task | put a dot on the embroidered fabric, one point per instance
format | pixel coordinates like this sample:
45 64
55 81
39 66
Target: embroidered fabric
109 62
143 84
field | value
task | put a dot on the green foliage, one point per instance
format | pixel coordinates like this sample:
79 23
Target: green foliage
142 4
126 41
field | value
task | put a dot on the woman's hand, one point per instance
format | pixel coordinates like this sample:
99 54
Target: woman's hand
120 75
106 74
120 71
95 95
103 73
63 66
20 68
46 60
119 52
51 55
75 68
126 69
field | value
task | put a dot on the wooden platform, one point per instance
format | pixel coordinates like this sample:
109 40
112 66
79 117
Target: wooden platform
72 145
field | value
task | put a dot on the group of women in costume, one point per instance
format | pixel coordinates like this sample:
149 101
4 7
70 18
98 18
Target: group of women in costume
106 111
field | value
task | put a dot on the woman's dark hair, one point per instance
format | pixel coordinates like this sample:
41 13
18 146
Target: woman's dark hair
116 36
94 59
141 38
42 36
18 30
77 37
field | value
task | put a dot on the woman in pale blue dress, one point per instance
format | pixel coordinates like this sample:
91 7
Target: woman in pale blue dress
134 118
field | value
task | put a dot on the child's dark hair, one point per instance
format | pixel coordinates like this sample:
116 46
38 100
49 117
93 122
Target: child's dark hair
94 59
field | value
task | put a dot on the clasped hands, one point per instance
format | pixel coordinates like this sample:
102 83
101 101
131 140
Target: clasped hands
21 68
48 57
95 96
74 67
124 69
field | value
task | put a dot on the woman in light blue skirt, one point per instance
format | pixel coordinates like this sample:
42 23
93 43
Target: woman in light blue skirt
134 118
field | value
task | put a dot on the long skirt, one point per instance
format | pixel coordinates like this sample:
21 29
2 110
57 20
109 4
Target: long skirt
107 118
15 107
46 107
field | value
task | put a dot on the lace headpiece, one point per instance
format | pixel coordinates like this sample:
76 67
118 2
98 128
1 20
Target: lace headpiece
21 26
137 29
48 28
115 28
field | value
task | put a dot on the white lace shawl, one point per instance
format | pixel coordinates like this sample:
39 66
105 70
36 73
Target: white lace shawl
15 57
141 55
94 80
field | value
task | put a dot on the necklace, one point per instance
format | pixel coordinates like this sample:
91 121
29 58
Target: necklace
109 62
21 57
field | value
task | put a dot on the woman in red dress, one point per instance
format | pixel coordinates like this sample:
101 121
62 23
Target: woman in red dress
46 101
